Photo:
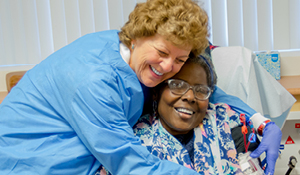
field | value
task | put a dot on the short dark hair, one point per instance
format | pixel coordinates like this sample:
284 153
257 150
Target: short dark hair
205 61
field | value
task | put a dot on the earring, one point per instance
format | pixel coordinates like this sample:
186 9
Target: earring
132 46
154 108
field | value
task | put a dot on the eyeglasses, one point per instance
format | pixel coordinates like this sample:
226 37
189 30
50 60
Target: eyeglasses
180 87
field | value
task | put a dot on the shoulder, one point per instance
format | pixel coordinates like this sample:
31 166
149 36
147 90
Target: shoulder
93 43
220 111
143 127
218 107
223 111
221 108
144 121
106 35
222 105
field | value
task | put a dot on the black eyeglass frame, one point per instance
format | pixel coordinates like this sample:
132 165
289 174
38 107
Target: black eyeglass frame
189 87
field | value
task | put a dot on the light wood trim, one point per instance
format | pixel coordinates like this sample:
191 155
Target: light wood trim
13 78
296 106
3 95
291 84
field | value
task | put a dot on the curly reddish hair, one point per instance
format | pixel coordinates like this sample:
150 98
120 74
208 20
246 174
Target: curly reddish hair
182 22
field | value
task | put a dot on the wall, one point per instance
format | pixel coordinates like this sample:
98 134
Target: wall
290 62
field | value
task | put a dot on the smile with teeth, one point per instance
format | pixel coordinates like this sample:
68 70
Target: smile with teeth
156 71
184 110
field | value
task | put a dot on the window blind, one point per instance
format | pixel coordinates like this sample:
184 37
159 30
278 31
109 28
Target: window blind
255 24
33 29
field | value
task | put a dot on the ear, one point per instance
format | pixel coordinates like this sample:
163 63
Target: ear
133 42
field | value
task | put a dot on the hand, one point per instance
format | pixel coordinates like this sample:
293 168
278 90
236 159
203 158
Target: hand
270 144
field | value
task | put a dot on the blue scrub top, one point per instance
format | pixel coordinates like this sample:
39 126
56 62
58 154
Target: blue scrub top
74 110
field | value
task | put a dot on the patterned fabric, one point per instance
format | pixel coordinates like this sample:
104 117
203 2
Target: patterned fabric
214 150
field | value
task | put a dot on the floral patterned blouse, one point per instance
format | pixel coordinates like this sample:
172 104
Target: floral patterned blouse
214 149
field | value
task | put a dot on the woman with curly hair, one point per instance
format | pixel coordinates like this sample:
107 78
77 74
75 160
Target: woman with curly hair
75 110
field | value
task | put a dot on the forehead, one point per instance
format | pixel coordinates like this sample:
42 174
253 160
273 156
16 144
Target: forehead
161 41
192 73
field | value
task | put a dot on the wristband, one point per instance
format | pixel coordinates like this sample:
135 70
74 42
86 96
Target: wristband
261 127
257 119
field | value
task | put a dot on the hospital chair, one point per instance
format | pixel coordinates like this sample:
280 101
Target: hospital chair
12 78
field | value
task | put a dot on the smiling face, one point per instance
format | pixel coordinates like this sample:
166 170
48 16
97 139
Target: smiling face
154 59
179 114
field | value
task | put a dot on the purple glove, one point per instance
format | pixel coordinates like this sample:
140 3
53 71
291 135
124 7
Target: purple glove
270 144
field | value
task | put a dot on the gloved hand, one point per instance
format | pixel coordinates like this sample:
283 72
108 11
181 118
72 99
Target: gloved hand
270 144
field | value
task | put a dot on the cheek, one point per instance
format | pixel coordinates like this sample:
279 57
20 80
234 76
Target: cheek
140 65
176 68
144 61
165 97
166 100
203 105
151 57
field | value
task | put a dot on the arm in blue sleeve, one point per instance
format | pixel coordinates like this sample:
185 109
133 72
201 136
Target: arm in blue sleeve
236 104
98 117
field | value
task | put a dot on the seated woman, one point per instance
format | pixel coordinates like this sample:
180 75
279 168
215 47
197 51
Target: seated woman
185 128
